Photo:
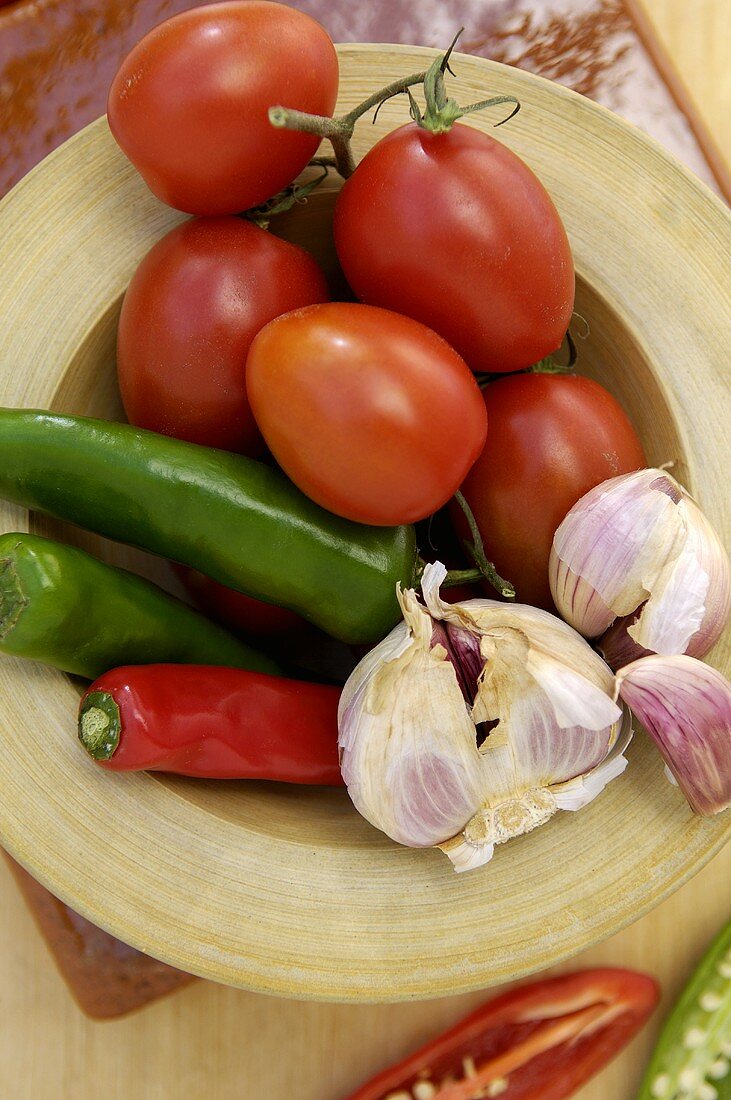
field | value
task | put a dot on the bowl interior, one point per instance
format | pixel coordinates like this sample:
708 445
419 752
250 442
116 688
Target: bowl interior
609 352
288 890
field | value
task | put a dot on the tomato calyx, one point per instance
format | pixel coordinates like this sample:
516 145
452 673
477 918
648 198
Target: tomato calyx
290 196
441 110
440 114
547 365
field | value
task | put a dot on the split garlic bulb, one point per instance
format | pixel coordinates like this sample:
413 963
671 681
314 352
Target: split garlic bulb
636 562
473 723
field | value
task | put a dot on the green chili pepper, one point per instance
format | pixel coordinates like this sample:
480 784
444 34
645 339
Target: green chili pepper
235 520
692 1059
63 607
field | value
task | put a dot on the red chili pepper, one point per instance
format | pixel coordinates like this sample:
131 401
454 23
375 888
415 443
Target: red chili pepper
539 1041
215 723
238 612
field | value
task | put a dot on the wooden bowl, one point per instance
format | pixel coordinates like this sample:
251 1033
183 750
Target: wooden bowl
289 891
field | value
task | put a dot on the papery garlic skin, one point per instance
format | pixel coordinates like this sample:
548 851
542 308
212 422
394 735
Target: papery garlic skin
685 706
411 712
636 562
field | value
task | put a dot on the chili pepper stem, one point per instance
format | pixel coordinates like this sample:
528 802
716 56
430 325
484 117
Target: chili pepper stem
476 550
100 725
453 578
456 577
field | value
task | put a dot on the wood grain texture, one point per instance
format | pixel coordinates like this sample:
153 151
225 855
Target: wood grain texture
697 40
222 1043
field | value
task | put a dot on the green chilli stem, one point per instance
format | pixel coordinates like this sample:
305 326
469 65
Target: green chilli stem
456 577
476 551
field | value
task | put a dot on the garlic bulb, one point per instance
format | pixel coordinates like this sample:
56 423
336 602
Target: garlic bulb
685 706
473 723
638 563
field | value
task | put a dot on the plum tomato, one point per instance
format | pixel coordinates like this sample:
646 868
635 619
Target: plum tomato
189 103
552 438
192 309
454 230
370 413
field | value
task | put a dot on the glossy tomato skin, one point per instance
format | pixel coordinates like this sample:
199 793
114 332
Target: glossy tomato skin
193 307
370 413
456 231
552 438
524 1036
189 103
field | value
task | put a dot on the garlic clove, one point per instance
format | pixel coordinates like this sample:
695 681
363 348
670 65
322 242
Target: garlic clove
577 600
685 706
692 615
538 747
357 683
407 741
466 856
583 789
575 700
636 561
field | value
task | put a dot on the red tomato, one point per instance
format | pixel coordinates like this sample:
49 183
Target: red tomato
454 230
192 309
189 103
240 613
540 1041
371 414
552 438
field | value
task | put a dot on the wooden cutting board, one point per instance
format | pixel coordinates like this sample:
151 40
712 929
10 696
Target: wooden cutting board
221 1044
208 1042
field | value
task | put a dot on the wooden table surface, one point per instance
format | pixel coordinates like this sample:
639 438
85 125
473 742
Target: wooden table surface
222 1044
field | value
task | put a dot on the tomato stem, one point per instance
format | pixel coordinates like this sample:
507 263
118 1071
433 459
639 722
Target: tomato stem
549 364
339 131
476 550
441 111
284 200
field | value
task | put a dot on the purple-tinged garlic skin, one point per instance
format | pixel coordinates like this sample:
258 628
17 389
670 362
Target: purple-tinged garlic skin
685 706
636 564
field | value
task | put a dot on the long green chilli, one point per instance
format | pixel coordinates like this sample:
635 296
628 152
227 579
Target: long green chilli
61 606
238 521
692 1059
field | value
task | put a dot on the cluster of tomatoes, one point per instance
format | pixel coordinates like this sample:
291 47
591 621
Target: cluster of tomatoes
379 409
